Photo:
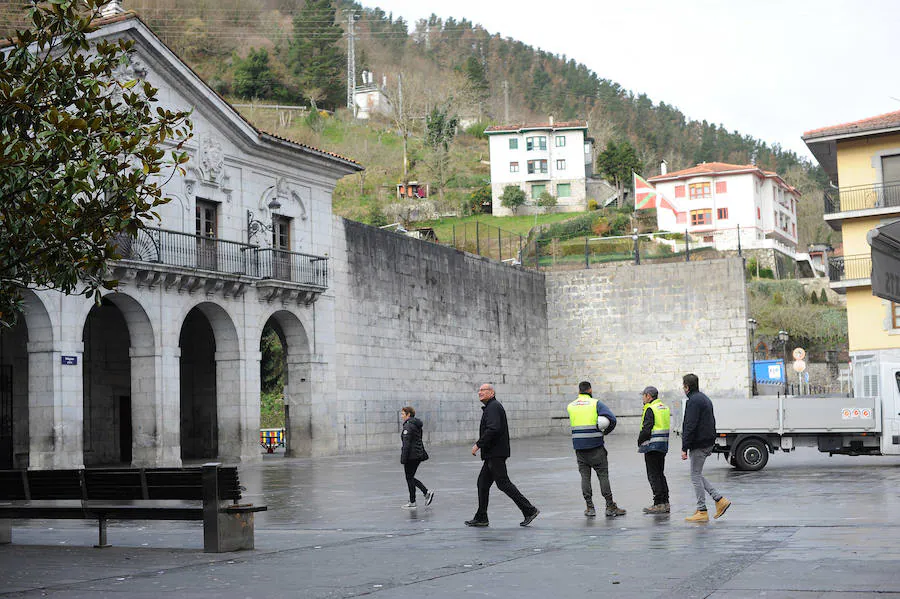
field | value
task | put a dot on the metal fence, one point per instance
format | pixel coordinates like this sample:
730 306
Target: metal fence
849 268
862 197
489 241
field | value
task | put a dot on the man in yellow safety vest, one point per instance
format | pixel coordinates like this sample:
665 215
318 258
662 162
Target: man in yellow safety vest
590 420
653 442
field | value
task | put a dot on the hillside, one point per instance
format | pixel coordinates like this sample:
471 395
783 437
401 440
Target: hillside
260 49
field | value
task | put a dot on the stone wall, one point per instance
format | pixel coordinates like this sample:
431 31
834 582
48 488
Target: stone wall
423 325
623 327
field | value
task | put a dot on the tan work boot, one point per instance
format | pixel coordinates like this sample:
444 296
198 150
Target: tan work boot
698 517
612 510
659 508
721 505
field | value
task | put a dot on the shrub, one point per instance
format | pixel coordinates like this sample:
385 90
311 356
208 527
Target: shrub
513 197
479 198
593 205
477 129
546 201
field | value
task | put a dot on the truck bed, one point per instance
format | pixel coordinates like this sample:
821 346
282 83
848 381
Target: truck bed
788 415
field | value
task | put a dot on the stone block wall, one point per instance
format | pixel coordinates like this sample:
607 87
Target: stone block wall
423 325
623 327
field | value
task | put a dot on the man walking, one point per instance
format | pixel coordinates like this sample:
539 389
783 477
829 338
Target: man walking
589 419
653 442
698 435
493 441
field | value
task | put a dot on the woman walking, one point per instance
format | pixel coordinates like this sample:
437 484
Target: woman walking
412 454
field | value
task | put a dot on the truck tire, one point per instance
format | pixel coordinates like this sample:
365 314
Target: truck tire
752 455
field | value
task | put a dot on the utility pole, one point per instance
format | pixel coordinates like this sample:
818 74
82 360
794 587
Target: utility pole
351 63
402 124
505 102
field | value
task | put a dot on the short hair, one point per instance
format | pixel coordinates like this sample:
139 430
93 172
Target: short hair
584 387
409 410
691 381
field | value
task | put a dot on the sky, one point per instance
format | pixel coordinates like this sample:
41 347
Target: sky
771 69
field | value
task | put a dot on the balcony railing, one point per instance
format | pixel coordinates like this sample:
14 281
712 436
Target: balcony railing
849 268
282 265
862 197
173 248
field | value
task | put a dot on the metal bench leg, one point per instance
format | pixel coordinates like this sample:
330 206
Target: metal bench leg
5 531
102 544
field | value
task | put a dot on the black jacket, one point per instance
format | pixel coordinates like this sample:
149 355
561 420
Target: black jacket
493 439
413 448
646 427
698 429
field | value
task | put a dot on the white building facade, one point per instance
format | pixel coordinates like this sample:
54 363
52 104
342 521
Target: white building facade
555 158
166 368
721 203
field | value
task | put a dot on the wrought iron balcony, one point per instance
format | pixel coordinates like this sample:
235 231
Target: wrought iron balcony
862 197
850 271
211 261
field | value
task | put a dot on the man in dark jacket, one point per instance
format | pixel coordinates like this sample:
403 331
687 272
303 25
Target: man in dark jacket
698 435
493 441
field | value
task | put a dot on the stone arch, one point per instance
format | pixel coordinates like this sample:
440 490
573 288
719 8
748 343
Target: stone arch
26 361
211 382
297 383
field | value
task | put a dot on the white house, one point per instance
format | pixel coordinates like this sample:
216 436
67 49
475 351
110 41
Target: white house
716 200
167 367
370 98
552 157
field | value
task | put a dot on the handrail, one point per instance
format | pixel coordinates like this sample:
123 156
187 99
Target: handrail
296 267
849 268
862 197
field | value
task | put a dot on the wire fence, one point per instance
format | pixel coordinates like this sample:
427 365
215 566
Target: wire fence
488 241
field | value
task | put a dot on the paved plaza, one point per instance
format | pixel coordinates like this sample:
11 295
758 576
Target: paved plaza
807 526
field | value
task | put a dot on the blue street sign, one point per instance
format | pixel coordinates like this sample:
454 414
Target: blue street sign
69 360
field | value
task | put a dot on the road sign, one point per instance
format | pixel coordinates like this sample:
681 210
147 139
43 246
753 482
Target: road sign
799 354
799 365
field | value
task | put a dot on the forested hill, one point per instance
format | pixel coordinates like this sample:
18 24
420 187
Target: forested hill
294 51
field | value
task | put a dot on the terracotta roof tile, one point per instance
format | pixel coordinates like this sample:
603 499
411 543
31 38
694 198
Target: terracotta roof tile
882 121
720 168
520 126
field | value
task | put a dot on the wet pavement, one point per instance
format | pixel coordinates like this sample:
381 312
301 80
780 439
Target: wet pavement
806 526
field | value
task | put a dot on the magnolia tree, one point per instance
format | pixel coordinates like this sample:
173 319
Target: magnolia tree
84 154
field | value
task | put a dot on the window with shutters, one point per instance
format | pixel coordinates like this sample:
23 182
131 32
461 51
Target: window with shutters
721 186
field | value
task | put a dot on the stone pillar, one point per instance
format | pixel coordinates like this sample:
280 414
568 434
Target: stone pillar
55 406
236 442
155 407
298 398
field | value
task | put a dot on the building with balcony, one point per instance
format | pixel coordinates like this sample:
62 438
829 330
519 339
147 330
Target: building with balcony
862 160
166 368
727 205
551 157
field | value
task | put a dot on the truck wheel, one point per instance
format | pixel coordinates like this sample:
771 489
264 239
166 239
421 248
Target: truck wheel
752 455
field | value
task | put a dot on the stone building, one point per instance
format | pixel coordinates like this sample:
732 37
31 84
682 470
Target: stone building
166 368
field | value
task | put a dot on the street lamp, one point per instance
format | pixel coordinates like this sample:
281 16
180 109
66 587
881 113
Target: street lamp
637 249
254 226
751 325
783 336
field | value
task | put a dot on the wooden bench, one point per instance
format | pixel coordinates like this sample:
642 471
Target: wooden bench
210 494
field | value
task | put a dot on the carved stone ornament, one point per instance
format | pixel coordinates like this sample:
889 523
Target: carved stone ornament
131 68
286 195
212 159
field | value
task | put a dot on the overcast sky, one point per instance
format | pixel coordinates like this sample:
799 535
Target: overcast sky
769 68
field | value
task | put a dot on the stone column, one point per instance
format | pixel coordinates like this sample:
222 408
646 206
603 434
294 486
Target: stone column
298 399
236 442
155 407
55 406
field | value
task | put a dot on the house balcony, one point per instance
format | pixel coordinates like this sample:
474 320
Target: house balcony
846 272
191 263
879 199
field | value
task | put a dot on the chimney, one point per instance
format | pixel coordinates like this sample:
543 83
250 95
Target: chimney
112 8
551 120
663 167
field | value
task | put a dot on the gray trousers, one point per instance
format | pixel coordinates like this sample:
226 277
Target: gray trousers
701 485
595 459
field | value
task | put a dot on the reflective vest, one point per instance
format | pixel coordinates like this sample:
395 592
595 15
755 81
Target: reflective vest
583 420
659 435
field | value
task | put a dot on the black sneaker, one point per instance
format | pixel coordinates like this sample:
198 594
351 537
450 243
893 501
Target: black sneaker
474 522
429 497
530 518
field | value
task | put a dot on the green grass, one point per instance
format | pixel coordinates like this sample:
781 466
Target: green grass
519 225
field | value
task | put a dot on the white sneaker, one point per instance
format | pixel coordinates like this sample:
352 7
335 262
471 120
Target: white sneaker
429 497
410 506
